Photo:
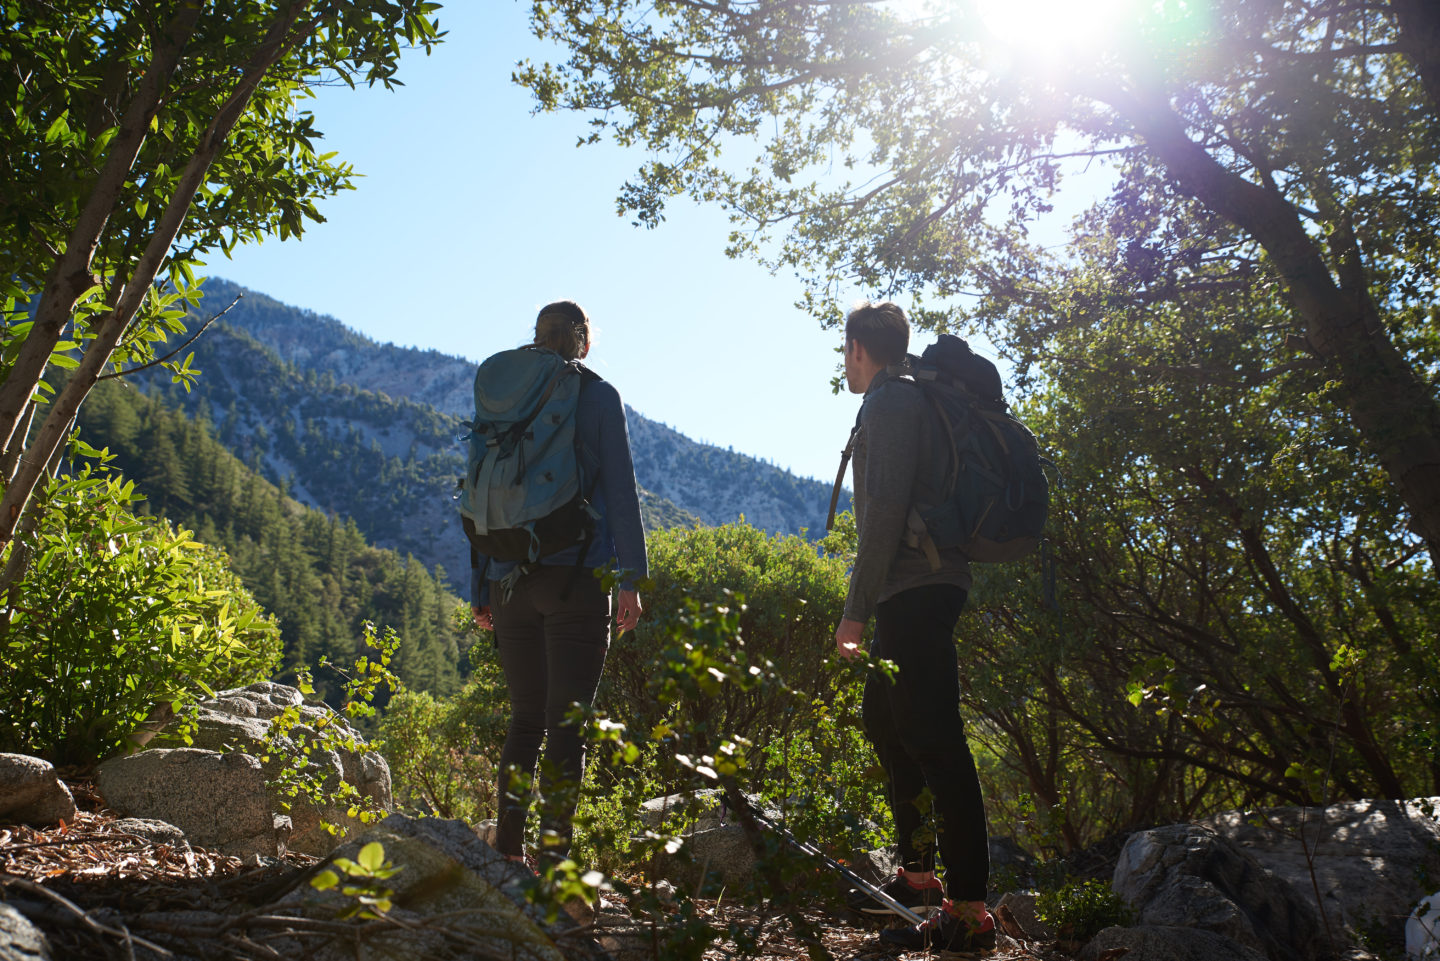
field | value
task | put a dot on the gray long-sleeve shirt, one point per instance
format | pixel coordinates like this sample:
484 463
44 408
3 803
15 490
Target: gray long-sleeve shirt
896 434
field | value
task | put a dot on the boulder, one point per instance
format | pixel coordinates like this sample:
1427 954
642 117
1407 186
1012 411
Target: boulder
19 939
218 800
1189 876
712 845
1368 857
447 871
31 792
1165 943
1017 908
1422 930
239 720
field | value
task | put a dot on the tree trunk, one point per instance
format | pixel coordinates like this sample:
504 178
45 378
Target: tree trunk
1391 407
137 288
1420 38
70 276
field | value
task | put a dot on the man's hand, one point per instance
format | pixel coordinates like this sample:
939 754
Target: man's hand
628 612
482 618
847 638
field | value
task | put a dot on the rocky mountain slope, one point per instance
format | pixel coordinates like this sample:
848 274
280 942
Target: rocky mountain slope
713 484
373 432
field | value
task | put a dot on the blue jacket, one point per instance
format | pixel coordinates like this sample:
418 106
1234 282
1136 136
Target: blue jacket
607 471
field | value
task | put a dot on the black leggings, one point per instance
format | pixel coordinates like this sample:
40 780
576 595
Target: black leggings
552 648
919 738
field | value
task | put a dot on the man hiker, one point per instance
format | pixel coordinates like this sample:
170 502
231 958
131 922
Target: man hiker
913 721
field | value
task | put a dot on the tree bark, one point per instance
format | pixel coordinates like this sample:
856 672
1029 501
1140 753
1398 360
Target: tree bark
1420 38
1391 406
137 288
70 276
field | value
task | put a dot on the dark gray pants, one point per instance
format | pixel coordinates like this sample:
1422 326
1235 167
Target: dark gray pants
552 648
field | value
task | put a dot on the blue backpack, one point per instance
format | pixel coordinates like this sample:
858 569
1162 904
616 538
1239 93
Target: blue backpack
521 498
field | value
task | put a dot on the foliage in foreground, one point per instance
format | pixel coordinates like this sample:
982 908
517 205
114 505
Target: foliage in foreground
119 621
137 138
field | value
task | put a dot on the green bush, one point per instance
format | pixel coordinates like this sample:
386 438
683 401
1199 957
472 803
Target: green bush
792 599
443 752
117 620
1082 909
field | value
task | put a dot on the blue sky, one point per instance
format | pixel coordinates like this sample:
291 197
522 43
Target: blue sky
472 213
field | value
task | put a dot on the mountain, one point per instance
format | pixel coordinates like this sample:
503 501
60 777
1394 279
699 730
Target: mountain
373 432
714 484
313 572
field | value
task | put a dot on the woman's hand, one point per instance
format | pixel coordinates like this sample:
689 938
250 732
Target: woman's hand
482 618
628 612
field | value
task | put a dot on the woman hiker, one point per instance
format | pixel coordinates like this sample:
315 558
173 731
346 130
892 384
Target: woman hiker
552 618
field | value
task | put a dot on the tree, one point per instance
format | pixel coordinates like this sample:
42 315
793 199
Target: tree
914 152
137 137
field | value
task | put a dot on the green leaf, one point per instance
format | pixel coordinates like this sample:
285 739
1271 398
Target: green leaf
59 127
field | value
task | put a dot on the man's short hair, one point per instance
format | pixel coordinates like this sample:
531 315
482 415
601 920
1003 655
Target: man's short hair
881 328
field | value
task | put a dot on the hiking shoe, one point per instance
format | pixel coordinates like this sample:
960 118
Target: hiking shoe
923 900
944 932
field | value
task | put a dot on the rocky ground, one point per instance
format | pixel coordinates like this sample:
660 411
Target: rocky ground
99 891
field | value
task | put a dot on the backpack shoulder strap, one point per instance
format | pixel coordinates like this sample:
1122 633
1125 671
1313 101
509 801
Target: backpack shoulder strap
845 456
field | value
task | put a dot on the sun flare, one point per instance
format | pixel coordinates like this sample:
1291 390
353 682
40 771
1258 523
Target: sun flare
1045 28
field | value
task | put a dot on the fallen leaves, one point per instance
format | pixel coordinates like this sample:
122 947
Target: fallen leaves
91 848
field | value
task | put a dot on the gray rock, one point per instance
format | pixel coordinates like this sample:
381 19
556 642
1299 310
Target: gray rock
240 719
487 829
1422 930
1189 875
31 792
703 807
1368 857
1021 907
1162 943
265 699
220 731
449 871
218 800
877 866
19 939
712 844
158 832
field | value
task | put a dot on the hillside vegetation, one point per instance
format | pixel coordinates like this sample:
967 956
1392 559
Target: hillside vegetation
315 572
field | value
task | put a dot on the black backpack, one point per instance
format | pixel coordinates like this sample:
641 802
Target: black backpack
986 479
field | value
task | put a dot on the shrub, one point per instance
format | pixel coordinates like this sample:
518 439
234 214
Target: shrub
118 620
443 752
1082 909
792 598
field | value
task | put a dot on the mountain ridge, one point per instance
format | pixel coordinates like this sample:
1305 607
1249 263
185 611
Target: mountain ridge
769 497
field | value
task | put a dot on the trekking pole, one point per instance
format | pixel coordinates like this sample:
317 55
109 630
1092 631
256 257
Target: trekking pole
805 847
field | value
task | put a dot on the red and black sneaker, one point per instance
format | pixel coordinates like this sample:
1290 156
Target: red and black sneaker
923 898
943 931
